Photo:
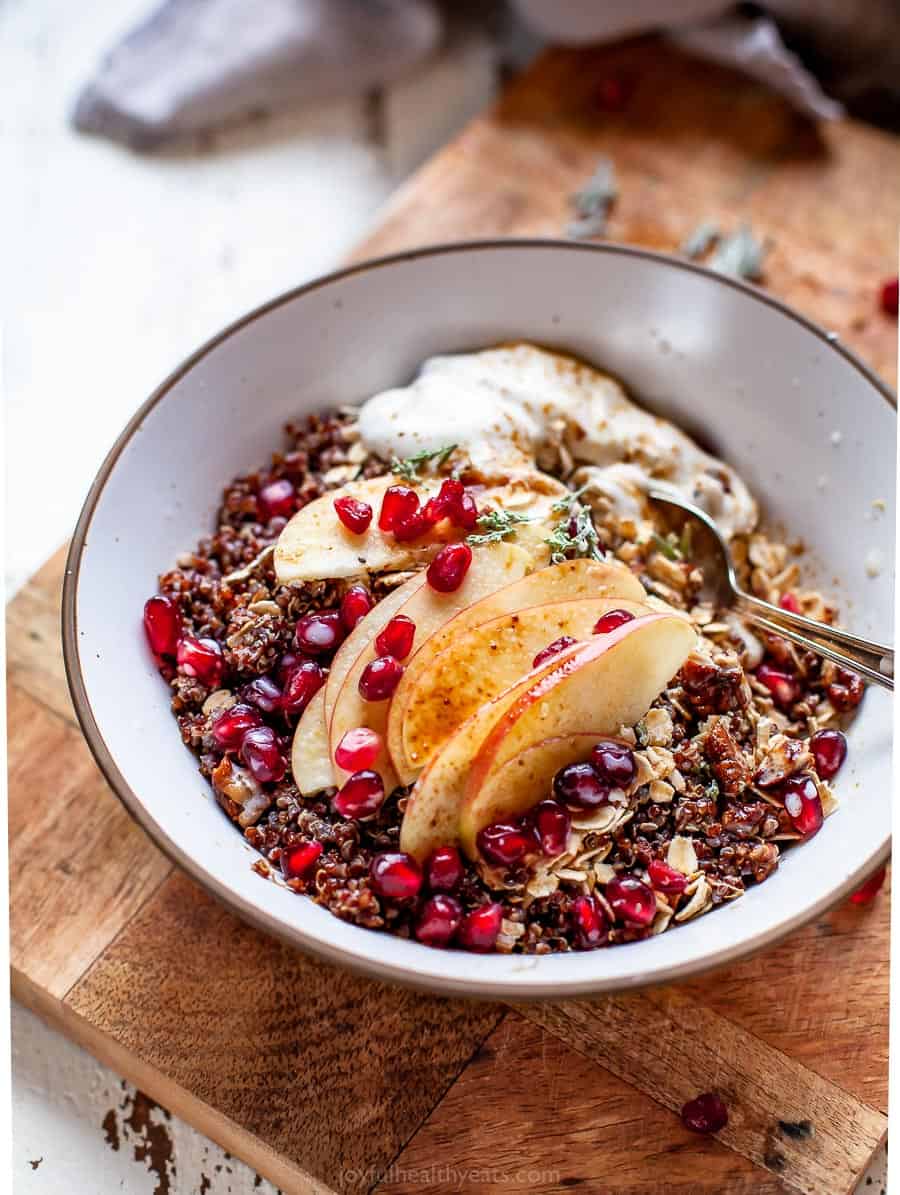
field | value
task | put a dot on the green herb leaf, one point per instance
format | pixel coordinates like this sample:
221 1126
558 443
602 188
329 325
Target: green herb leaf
712 790
564 505
740 255
640 731
409 467
701 240
574 536
497 525
686 545
668 549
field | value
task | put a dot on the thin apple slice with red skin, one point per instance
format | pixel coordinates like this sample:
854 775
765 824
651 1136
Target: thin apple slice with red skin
521 783
484 661
492 566
570 580
310 761
606 683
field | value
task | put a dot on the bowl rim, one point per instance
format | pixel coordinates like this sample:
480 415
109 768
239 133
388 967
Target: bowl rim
268 922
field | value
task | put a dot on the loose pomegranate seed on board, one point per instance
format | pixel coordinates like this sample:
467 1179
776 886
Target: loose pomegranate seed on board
354 514
397 637
438 920
162 625
261 752
399 502
870 889
448 569
321 633
298 861
358 749
666 879
202 659
444 870
552 824
361 796
505 844
705 1114
480 928
803 805
396 876
380 678
276 500
553 649
614 763
304 682
231 725
355 605
631 900
612 619
579 787
591 925
829 750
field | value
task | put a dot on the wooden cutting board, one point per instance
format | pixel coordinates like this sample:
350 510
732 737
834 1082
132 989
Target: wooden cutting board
327 1082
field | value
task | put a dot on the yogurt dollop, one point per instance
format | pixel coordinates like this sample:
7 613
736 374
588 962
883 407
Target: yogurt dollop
502 405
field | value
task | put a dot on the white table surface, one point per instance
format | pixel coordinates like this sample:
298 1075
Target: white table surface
123 265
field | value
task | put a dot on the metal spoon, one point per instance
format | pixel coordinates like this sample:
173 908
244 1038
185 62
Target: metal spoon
874 661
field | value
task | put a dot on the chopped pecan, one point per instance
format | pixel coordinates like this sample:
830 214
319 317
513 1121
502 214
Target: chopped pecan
713 688
846 692
728 763
763 860
784 757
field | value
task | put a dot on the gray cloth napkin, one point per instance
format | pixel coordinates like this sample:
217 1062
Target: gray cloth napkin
195 65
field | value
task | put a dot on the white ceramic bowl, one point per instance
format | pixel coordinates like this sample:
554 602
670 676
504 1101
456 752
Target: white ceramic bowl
809 427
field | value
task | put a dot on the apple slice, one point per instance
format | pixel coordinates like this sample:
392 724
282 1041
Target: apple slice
315 545
310 761
520 783
492 566
482 662
606 683
558 582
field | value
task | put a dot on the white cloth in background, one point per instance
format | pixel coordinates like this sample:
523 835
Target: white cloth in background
194 65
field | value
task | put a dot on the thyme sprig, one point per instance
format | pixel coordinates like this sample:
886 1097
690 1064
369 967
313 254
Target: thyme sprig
670 550
497 525
575 534
408 468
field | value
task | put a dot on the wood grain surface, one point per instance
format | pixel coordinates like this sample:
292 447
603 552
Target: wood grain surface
326 1082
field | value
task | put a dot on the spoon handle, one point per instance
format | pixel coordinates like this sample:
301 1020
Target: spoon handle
874 661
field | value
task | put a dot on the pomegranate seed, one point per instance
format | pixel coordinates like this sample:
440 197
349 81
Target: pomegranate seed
439 920
801 800
380 678
263 693
361 796
784 687
614 763
397 638
579 787
448 569
631 900
396 876
354 514
505 844
889 297
829 750
231 725
286 665
399 502
276 500
467 514
355 605
847 691
358 749
552 649
870 889
298 861
446 502
301 687
444 870
162 625
552 823
590 921
202 659
666 879
261 752
612 619
790 602
412 526
704 1114
480 928
321 633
